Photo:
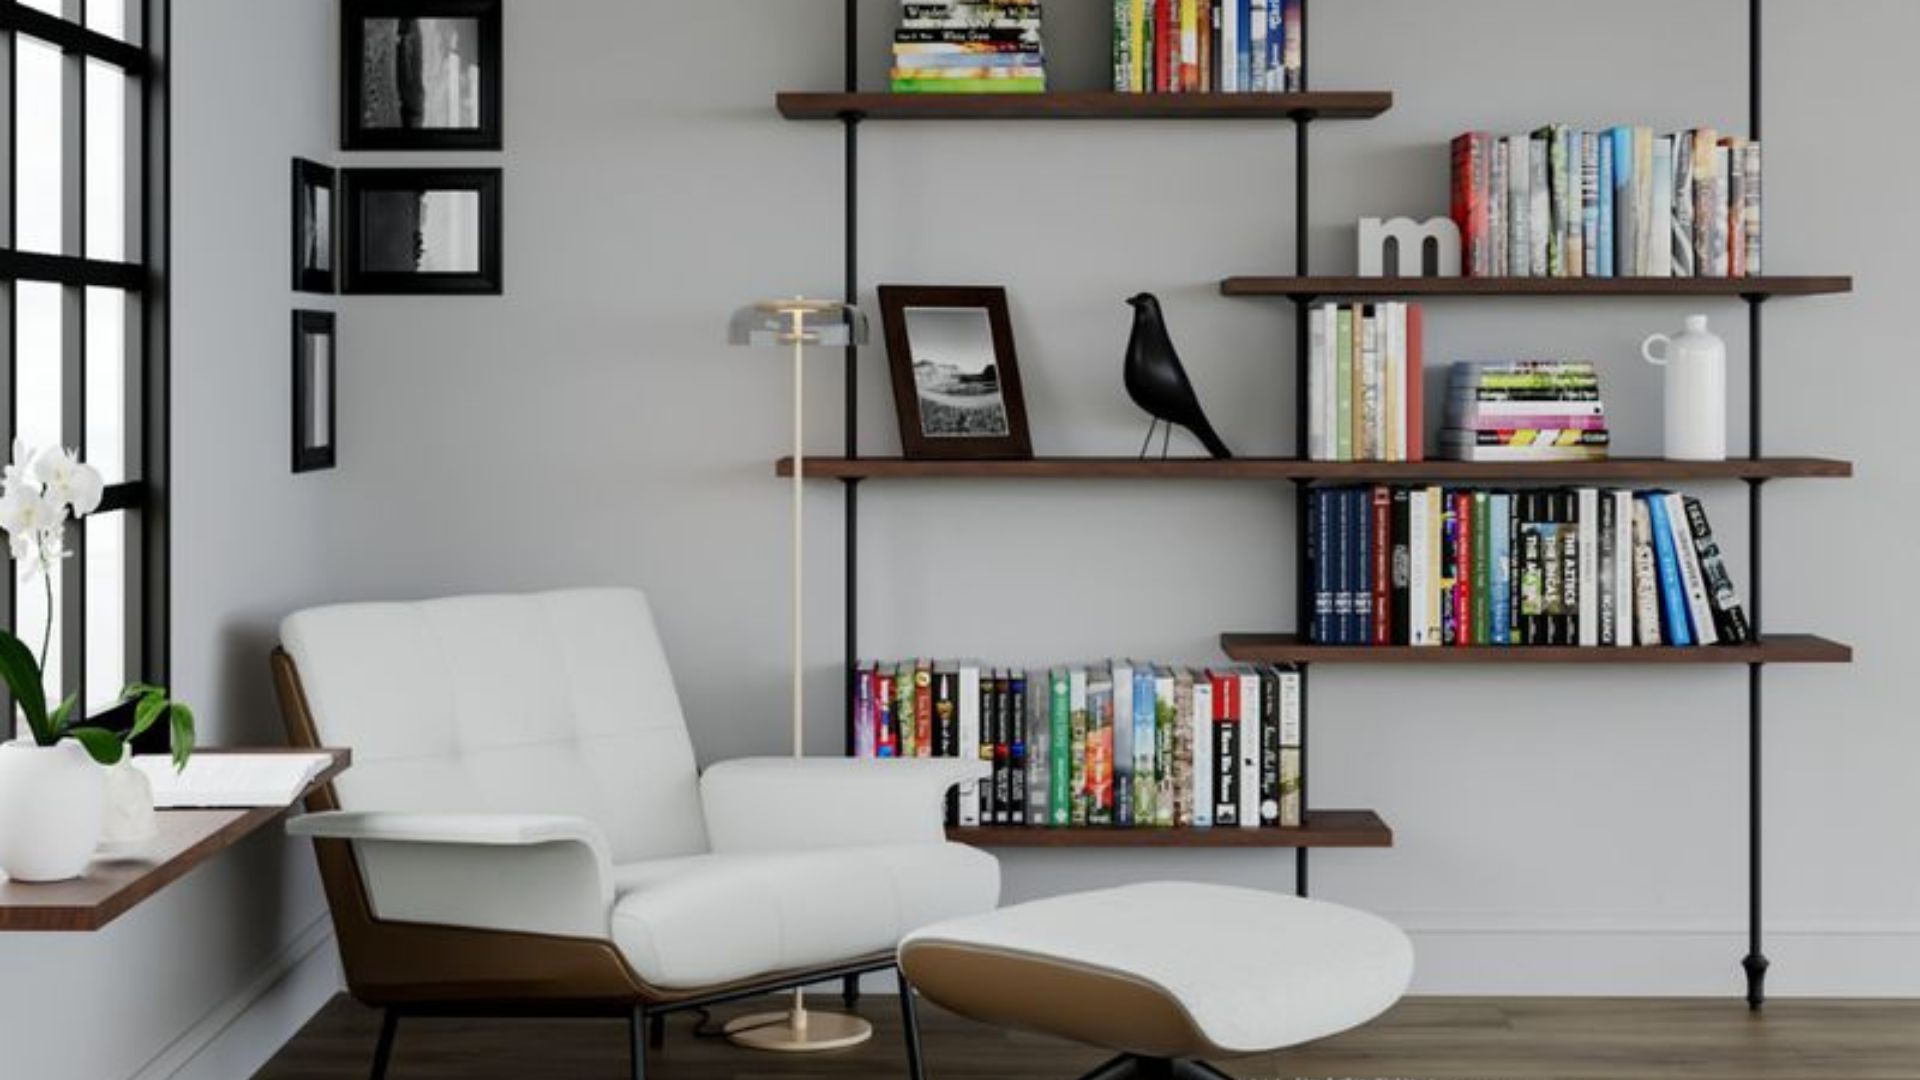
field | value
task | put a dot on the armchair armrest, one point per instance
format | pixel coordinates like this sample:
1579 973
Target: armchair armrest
795 804
535 873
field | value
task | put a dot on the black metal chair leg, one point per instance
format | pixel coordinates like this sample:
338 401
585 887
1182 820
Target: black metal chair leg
637 1035
1188 1069
1119 1067
383 1050
657 1031
910 1021
850 991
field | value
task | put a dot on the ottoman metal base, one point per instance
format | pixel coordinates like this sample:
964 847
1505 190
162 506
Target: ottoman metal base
1135 1067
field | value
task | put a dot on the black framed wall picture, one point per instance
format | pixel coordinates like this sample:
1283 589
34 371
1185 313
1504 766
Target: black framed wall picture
313 245
315 363
956 381
413 231
420 74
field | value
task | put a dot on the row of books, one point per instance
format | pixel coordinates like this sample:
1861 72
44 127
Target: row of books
1524 410
1120 744
969 47
1201 46
1624 202
1364 379
1468 567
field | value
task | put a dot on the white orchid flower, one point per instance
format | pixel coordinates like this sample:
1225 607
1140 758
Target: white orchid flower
68 481
18 472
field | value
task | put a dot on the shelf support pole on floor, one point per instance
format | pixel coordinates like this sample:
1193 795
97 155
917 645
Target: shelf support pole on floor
1754 964
1303 605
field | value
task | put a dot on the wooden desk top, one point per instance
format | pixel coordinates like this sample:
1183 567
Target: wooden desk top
114 884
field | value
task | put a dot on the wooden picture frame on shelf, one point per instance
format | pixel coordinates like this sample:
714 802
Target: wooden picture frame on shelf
316 361
956 379
421 231
315 248
420 74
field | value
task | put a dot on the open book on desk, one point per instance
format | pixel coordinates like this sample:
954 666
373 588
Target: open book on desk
221 780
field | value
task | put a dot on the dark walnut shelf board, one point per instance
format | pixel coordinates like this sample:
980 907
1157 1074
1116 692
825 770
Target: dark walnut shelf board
1123 468
1085 105
1323 828
1770 649
1314 287
112 885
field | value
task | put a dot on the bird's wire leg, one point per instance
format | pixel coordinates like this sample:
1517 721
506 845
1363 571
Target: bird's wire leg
1166 439
1149 440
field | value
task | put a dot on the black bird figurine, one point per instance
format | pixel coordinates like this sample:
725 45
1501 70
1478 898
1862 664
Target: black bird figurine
1158 383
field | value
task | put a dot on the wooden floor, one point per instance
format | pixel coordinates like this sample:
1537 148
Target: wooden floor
1422 1039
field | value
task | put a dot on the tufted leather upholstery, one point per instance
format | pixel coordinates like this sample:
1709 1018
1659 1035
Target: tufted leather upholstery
550 703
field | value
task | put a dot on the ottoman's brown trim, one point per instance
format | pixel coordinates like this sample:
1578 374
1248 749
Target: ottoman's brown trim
1097 1006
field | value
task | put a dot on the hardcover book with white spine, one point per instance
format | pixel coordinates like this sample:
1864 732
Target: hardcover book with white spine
1317 384
1646 578
1519 206
1540 206
1498 185
1436 529
970 739
1750 215
1202 772
1623 572
1182 778
1249 722
1417 568
1699 609
1397 433
1587 502
1039 746
1290 755
1682 213
1659 243
1166 723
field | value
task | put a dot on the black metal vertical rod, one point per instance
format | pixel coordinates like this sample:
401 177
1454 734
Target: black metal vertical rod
1755 962
851 291
1302 172
1300 853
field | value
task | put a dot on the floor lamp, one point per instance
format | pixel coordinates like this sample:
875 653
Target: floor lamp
797 324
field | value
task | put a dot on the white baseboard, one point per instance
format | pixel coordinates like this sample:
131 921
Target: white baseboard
234 1040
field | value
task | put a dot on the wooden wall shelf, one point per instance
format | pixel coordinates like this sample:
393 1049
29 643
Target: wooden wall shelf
113 885
1085 105
1332 287
1323 828
1770 649
1617 470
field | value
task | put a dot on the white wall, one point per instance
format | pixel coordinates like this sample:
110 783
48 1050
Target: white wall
1559 830
208 977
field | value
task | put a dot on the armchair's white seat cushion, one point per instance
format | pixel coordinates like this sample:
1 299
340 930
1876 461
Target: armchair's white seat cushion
703 920
1165 969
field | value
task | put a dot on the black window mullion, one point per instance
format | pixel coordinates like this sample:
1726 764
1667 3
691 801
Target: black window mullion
71 269
12 335
71 36
73 367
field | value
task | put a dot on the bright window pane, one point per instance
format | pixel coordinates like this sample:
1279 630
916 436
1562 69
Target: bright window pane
37 127
106 162
109 17
106 609
51 7
33 604
107 314
37 314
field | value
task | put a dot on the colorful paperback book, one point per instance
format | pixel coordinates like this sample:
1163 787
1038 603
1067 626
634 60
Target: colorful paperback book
1182 787
1672 594
1500 568
1100 717
1063 763
1226 749
1603 180
1079 723
1125 726
1292 777
1202 750
1145 743
1165 732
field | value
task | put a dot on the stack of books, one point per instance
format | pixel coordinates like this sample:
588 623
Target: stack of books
1364 378
1524 410
969 47
1464 567
1202 46
1119 744
1617 203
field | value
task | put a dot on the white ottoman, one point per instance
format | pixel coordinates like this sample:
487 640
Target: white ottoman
1165 973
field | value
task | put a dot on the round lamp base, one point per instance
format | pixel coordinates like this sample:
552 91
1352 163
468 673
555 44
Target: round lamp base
815 1031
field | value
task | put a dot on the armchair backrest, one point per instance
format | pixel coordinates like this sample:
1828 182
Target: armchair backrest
552 703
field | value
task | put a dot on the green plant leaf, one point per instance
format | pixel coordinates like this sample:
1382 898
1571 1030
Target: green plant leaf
63 715
182 735
152 704
22 676
140 690
104 745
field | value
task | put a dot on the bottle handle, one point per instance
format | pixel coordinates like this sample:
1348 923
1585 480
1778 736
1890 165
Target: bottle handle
1666 349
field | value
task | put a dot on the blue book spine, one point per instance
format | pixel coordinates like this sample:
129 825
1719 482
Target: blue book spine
1244 15
1623 202
1499 569
1605 235
1363 566
1339 552
1673 599
1275 68
1145 738
1318 528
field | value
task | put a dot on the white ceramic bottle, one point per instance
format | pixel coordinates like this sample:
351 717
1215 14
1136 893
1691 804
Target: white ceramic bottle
1696 411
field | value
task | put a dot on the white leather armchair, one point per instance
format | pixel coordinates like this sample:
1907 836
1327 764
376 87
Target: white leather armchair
524 828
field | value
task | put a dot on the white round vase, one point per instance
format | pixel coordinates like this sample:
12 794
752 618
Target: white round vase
53 801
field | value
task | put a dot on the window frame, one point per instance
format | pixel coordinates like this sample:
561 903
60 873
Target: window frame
143 494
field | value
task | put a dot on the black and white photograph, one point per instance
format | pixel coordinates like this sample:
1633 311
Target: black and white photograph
422 230
956 383
314 363
420 74
313 231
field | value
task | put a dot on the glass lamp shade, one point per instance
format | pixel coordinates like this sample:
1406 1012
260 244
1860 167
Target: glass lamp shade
772 323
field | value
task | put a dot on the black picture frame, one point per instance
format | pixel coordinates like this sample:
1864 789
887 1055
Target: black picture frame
314 248
315 403
932 425
364 31
381 232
